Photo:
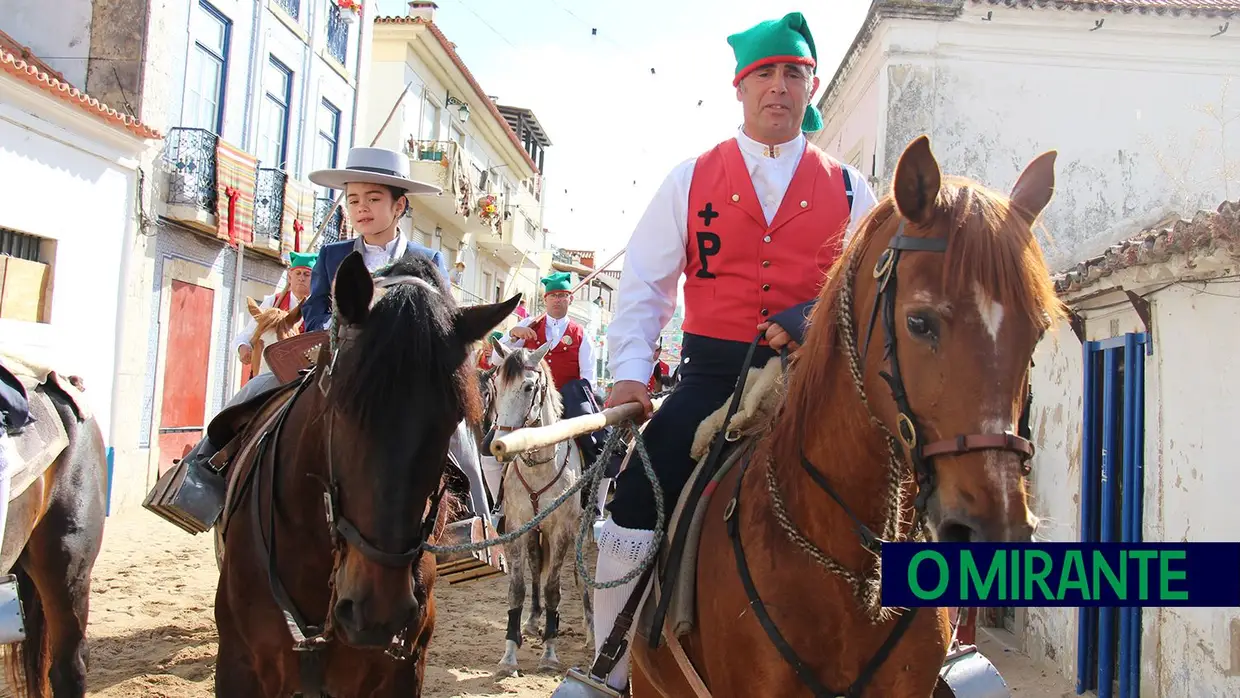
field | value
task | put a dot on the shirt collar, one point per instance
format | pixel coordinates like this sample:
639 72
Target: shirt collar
778 152
400 235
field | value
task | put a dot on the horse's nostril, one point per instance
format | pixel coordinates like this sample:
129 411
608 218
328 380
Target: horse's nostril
346 613
955 532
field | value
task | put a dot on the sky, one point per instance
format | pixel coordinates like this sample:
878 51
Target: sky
617 130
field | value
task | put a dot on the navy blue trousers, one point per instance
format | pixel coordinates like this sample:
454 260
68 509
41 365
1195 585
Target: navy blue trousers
579 400
709 369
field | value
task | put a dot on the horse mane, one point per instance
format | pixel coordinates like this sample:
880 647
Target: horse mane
513 369
406 362
989 243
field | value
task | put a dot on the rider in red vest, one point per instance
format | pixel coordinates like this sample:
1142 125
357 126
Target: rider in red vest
753 224
571 359
661 377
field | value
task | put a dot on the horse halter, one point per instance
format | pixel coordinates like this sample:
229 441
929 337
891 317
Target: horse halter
908 429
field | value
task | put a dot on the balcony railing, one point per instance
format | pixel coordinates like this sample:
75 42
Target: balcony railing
337 33
332 232
190 153
292 7
269 202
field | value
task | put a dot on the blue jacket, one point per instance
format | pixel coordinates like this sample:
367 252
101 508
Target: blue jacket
795 320
316 310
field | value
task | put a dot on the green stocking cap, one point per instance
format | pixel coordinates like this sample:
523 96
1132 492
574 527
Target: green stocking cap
299 259
786 40
559 281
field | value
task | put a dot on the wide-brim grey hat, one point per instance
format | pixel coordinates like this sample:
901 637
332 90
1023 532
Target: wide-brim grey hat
376 166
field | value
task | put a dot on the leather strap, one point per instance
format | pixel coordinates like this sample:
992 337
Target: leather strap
618 641
686 665
964 443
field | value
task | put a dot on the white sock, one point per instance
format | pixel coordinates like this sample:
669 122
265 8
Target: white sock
493 471
620 550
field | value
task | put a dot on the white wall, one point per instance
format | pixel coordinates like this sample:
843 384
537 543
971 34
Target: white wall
56 159
62 35
1127 107
1189 418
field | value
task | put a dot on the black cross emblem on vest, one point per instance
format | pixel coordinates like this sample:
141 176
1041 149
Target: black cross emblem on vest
708 214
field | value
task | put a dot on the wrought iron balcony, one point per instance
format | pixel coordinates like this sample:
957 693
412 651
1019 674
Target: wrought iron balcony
332 232
190 154
269 202
337 33
292 7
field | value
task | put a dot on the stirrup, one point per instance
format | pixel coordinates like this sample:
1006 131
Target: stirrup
579 684
12 616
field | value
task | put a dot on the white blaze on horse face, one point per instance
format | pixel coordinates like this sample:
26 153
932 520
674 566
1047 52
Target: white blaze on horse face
990 311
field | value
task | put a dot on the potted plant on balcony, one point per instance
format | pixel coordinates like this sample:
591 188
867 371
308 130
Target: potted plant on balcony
349 10
488 210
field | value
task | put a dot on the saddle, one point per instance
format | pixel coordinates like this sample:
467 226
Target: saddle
760 401
38 434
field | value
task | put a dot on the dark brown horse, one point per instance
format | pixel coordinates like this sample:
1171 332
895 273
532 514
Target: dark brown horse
917 424
51 539
323 548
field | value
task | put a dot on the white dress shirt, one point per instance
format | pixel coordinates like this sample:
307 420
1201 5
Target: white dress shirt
375 257
655 259
242 339
555 331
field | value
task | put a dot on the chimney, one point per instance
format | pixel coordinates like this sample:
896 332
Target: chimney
423 9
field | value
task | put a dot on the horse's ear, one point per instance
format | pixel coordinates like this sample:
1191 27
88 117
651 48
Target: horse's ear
293 316
476 321
353 289
252 307
536 358
917 180
499 348
1035 186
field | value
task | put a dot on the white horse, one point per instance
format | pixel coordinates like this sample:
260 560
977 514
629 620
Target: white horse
525 396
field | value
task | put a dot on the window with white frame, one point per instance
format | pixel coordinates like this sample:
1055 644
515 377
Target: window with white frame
328 140
430 121
273 124
206 70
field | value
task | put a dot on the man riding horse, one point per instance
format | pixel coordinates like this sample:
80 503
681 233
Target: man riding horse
571 358
752 224
376 182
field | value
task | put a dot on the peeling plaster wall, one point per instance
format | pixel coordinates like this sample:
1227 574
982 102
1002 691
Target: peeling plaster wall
1136 111
60 39
1050 633
1188 463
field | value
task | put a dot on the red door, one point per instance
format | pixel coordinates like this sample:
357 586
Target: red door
186 363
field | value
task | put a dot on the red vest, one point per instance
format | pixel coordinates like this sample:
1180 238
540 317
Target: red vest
565 357
283 301
660 369
739 270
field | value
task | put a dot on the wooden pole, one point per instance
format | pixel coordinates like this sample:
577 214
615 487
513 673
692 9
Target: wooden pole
507 447
339 197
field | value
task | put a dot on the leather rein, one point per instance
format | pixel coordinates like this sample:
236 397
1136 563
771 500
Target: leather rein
910 435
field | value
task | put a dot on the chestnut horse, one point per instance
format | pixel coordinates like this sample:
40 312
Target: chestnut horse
324 568
272 325
961 295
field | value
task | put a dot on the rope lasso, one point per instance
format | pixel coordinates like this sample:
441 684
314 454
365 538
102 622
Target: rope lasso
590 478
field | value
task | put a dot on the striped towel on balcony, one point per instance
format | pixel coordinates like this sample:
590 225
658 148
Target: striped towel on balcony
298 206
238 170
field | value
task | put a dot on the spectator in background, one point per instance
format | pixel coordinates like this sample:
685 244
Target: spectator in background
521 312
457 276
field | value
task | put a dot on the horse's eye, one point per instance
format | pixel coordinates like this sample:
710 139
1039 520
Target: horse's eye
920 325
529 388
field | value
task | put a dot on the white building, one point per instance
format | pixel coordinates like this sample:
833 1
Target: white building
458 137
1158 314
1132 94
253 95
69 173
